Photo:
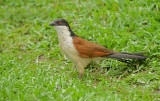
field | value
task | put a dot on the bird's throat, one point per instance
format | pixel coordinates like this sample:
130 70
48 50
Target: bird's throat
63 33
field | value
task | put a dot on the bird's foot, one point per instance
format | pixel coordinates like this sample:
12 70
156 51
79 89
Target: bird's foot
80 75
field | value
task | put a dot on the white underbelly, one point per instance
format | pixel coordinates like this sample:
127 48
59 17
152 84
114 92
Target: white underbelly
68 49
70 52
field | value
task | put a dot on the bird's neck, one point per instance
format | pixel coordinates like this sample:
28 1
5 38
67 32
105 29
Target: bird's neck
64 32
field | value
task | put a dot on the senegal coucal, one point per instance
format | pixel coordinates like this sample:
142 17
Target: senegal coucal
81 51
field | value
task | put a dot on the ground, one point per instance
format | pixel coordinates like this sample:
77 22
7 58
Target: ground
32 66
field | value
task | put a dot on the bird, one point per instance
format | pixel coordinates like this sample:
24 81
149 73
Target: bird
82 52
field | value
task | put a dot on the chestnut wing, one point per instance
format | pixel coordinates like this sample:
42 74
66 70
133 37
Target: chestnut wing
89 49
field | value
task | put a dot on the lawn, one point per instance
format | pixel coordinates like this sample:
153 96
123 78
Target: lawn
32 67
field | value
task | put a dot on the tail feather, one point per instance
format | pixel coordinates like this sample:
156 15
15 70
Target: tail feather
138 56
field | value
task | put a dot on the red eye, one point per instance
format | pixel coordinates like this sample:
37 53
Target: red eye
59 22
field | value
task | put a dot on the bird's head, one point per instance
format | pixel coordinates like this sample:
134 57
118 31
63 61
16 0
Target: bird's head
62 26
59 22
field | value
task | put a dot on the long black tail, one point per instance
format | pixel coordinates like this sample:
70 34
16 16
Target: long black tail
138 56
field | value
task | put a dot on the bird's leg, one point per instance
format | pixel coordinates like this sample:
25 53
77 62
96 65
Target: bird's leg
81 70
80 75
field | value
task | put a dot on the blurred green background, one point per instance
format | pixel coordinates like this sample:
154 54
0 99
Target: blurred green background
33 68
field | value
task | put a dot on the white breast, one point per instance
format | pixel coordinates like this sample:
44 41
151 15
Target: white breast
65 42
67 47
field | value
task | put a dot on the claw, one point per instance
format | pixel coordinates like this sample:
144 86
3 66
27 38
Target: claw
80 75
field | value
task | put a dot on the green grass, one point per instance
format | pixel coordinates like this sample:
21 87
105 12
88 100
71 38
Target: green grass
33 68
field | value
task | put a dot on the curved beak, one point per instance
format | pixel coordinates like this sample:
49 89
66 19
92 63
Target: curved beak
52 23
